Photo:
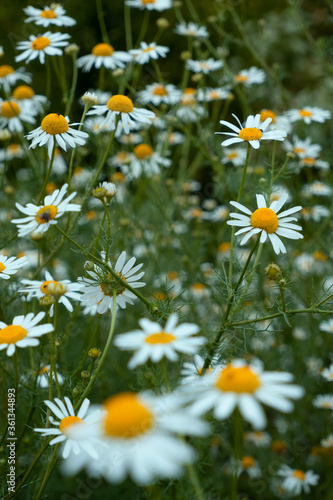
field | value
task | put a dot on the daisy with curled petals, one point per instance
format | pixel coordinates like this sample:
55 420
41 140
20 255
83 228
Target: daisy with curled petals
56 128
147 52
238 384
23 332
266 221
121 106
253 132
39 46
137 434
44 216
191 30
47 16
295 480
9 266
99 290
103 54
308 114
155 342
9 76
66 430
12 114
150 4
205 66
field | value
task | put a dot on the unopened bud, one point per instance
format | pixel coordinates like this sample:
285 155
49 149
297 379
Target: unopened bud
72 49
89 266
37 235
186 54
9 190
94 353
89 99
197 77
162 23
117 72
273 272
46 301
85 375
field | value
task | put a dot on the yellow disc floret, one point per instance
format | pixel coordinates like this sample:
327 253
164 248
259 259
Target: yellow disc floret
126 416
143 151
6 70
238 379
241 78
160 338
147 1
10 109
40 43
102 50
266 219
12 333
247 462
2 267
54 288
67 422
48 14
54 123
267 113
250 134
23 92
159 90
45 214
305 113
299 474
120 103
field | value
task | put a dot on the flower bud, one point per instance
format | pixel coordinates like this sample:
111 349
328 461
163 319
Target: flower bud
273 272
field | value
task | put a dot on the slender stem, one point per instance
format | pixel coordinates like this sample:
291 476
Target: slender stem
238 436
283 302
144 27
108 235
101 21
128 29
47 177
48 471
73 86
195 482
70 170
48 80
165 374
92 338
288 312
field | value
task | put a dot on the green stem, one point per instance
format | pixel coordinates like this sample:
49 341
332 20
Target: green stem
47 177
70 170
73 86
128 28
288 312
195 482
101 21
238 435
52 463
144 27
165 374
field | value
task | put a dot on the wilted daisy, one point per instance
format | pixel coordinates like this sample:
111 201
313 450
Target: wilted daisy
295 480
26 96
147 52
150 4
103 54
44 216
10 76
204 66
238 384
10 265
138 435
56 128
99 290
65 432
267 221
13 114
253 132
250 76
191 30
39 46
145 161
47 16
308 114
157 93
23 332
156 342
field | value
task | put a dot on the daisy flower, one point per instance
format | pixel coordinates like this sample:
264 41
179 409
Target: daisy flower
12 151
323 401
9 266
47 16
23 332
267 221
317 188
189 110
56 128
122 107
65 432
13 114
39 46
147 52
327 373
158 93
103 54
258 438
295 480
99 289
205 66
192 370
145 161
10 76
278 121
248 465
43 376
250 76
213 94
44 216
138 435
235 156
61 291
150 4
26 96
155 342
315 213
192 30
326 326
308 114
253 132
238 384
302 148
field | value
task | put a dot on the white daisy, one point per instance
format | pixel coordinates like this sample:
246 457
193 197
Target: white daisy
327 373
295 480
9 266
158 93
103 54
326 326
26 96
192 30
238 384
99 289
308 114
189 110
145 161
12 151
10 76
235 156
204 66
44 216
315 213
250 76
155 342
147 52
13 114
317 188
39 46
258 438
150 4
56 128
278 121
310 161
253 132
267 221
23 332
213 94
44 376
323 401
192 370
302 148
47 16
66 430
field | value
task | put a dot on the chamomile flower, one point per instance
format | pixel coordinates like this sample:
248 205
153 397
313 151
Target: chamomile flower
323 401
103 54
327 373
265 220
12 151
42 217
238 384
302 148
250 76
189 110
26 96
259 438
317 188
213 94
65 430
295 480
47 16
99 290
150 4
308 114
316 212
156 342
55 128
146 161
253 132
12 114
326 326
10 265
23 332
310 161
191 30
235 156
43 377
204 66
147 52
10 76
192 370
158 93
38 46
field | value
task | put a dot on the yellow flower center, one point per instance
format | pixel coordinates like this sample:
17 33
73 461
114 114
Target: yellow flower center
241 78
102 50
12 333
299 474
159 90
309 161
126 416
120 103
265 218
54 123
198 287
267 113
48 14
2 267
147 1
172 275
247 462
23 92
318 255
111 283
45 214
250 134
40 43
238 379
10 109
160 338
54 288
6 70
148 49
232 156
214 95
304 113
67 422
43 370
143 151
298 150
223 247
